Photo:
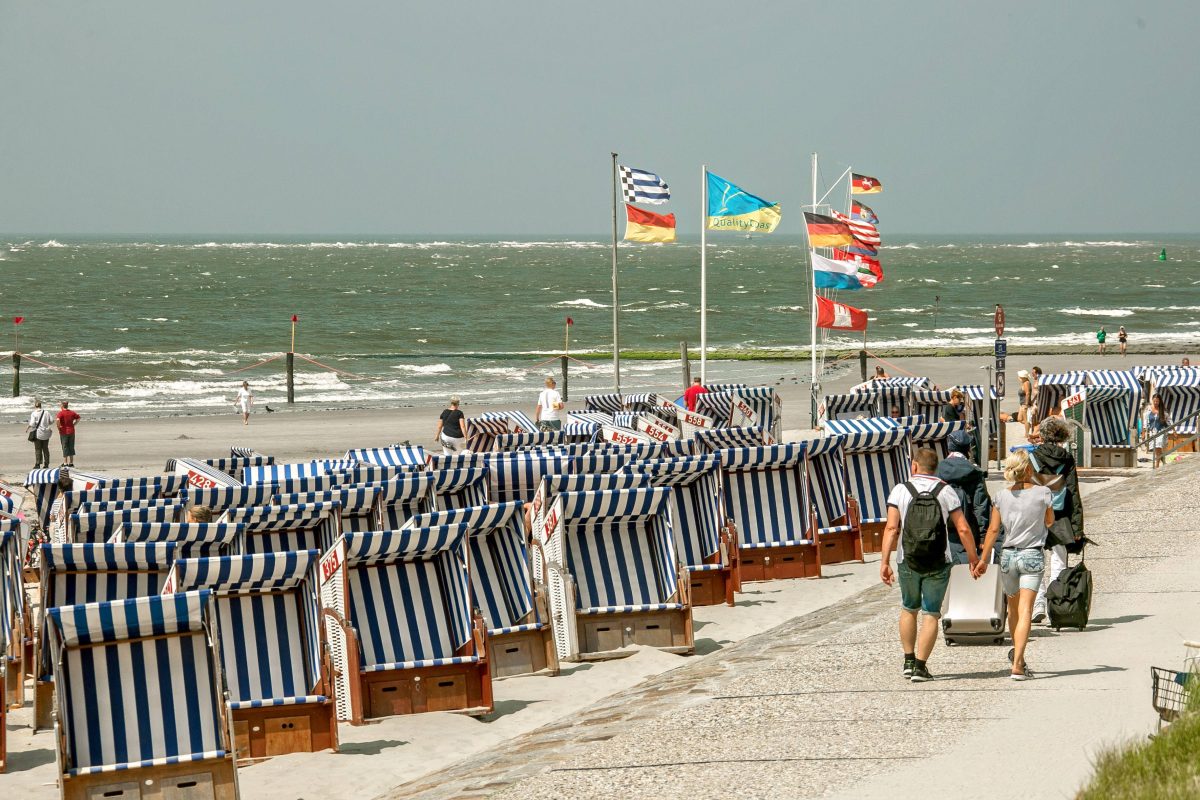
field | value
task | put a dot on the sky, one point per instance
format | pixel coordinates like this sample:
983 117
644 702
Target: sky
486 118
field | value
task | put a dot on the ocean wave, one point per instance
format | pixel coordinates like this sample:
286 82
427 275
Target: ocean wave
582 302
968 331
423 369
52 243
1097 312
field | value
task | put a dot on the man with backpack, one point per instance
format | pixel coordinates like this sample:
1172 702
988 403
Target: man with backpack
920 514
970 484
1054 468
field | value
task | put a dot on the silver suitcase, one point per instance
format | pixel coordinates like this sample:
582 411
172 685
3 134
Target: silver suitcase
974 610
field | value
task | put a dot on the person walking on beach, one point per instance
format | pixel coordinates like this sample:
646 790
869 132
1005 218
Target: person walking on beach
953 411
1024 398
1101 335
244 401
67 420
39 430
970 485
1122 340
1054 468
452 429
692 392
549 403
1157 423
919 516
1035 378
1026 512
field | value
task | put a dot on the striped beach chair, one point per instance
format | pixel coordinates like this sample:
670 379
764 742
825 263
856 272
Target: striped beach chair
395 656
460 487
402 498
154 726
998 433
933 435
710 441
594 418
278 680
15 630
551 486
841 427
72 574
851 406
398 455
875 463
1180 390
483 431
281 529
516 476
99 526
705 537
43 485
767 494
929 402
222 498
278 473
514 605
232 465
198 474
356 504
604 403
191 539
1110 412
839 531
614 577
507 442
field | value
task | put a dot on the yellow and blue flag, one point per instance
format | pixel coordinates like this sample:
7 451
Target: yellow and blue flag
732 209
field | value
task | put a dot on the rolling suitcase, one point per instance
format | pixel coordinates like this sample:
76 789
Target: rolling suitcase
1069 598
974 610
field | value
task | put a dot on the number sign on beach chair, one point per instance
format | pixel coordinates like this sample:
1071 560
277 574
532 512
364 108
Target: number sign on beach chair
875 463
393 656
705 538
280 529
839 532
140 710
199 474
933 435
767 494
73 574
513 604
279 681
613 575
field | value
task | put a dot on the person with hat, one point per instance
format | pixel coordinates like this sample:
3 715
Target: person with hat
970 484
1024 398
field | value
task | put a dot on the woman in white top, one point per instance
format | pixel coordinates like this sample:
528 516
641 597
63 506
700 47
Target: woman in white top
1026 510
244 402
41 428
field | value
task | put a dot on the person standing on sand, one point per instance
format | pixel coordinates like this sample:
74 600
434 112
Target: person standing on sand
451 430
1101 335
549 403
1156 424
1122 340
67 420
692 392
1024 398
244 402
40 429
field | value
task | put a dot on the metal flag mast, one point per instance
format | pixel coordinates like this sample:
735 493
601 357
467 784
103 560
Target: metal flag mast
704 274
812 302
616 308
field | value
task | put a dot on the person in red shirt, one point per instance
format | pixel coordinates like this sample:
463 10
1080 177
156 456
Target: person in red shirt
692 392
67 420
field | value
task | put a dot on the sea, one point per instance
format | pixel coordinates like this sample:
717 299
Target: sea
140 326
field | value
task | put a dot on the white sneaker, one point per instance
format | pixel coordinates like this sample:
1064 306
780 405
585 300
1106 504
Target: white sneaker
1039 614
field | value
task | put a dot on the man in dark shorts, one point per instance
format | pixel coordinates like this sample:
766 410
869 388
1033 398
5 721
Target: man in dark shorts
67 420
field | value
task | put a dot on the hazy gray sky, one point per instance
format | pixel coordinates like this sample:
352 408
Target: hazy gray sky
498 118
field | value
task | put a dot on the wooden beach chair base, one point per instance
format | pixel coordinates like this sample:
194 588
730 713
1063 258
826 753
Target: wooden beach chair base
261 733
14 683
606 636
1174 439
840 547
712 587
523 653
776 563
451 687
1114 457
872 536
215 779
43 705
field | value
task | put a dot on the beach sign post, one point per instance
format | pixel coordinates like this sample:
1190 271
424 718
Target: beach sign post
291 364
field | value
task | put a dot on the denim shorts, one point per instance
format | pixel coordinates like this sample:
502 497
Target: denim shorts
1021 569
923 590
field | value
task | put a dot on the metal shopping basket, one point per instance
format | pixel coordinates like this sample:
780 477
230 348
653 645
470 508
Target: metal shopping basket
1171 690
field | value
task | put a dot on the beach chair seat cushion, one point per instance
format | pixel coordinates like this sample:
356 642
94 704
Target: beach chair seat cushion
705 567
631 609
528 626
776 543
834 529
271 702
421 664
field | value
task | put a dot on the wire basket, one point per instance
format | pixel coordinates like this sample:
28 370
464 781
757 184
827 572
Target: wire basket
1171 690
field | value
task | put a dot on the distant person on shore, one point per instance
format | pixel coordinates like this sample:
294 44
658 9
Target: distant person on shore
244 401
970 484
1157 423
880 374
920 514
67 420
39 430
692 392
549 403
451 430
200 514
1101 336
1054 468
1026 511
953 411
1122 339
1024 398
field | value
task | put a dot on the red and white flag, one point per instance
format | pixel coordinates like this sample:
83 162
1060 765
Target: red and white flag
839 316
865 232
869 270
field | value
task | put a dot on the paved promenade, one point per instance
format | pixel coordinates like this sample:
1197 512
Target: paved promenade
817 706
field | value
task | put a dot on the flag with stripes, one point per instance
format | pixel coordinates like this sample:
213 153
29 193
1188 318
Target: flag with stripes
865 232
640 186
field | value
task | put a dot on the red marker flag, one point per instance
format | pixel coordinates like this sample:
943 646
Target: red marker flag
570 321
18 320
839 316
295 318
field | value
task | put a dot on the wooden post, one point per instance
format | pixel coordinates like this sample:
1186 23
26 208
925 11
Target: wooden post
685 365
564 379
16 374
291 378
862 363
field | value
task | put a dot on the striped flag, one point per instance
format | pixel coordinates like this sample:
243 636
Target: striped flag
646 226
640 186
865 232
864 184
826 231
870 272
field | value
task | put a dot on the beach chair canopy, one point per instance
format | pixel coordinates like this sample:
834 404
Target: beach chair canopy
597 418
160 705
456 461
1180 390
530 441
460 487
410 597
710 441
191 539
928 402
697 504
619 547
100 506
484 429
399 499
933 435
825 464
397 455
222 498
279 529
43 483
766 491
875 463
515 476
269 619
199 474
100 526
604 403
356 503
277 473
850 406
836 427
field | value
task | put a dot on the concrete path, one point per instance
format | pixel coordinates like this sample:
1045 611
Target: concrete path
817 706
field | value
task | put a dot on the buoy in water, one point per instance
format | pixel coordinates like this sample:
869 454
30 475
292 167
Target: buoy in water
1162 256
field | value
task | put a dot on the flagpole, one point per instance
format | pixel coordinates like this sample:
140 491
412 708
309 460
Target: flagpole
813 304
704 273
616 308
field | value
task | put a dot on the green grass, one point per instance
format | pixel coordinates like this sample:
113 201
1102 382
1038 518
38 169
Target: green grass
1166 768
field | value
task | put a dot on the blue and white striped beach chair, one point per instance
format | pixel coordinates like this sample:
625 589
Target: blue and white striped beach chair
15 627
705 538
851 406
998 433
551 486
191 539
232 465
404 456
767 494
613 575
280 529
460 487
484 429
403 497
604 403
71 574
278 473
928 403
1110 412
875 463
220 499
199 474
933 435
356 504
710 441
401 632
514 605
43 485
1180 390
839 532
279 683
508 442
99 527
139 689
516 476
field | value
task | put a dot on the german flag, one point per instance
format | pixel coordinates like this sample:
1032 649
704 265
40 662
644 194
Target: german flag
826 231
865 184
646 226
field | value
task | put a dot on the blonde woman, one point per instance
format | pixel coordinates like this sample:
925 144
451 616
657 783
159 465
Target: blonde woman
1025 509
